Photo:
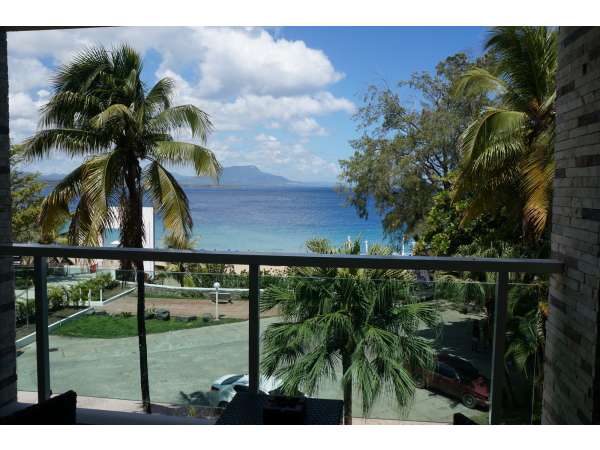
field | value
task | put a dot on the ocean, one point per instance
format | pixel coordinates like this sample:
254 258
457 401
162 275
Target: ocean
273 219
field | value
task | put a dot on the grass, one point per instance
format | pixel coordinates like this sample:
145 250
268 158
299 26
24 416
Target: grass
107 327
23 330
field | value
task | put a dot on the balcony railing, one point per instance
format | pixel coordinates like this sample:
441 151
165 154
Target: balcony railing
502 267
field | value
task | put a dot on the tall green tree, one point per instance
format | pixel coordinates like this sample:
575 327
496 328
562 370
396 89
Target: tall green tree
102 111
508 149
443 234
408 148
358 320
27 197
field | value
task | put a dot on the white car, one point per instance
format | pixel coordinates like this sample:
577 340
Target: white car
228 385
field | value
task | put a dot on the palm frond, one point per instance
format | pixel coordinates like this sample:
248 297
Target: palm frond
55 207
169 200
82 71
69 109
115 112
180 117
183 153
494 126
102 181
478 81
74 142
159 97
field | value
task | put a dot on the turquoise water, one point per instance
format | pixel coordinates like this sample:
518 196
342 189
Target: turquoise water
273 219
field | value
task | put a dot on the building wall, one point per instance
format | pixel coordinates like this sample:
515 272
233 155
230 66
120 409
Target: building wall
8 375
572 371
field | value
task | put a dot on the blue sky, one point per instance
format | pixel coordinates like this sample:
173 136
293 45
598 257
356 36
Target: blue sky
280 98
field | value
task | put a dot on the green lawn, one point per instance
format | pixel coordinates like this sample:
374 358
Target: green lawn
116 327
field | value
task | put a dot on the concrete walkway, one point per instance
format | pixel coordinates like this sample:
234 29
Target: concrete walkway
190 360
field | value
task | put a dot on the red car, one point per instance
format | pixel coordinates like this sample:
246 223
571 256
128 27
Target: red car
458 378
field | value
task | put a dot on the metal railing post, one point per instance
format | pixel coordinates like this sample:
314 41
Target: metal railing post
140 276
254 328
498 348
40 267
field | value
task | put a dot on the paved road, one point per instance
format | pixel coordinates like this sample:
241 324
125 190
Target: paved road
189 360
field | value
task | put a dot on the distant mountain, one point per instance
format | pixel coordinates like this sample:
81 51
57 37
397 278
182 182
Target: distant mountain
231 176
52 178
239 176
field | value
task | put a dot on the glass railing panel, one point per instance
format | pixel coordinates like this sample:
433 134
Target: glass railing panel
80 352
524 357
202 348
458 310
93 351
94 344
24 337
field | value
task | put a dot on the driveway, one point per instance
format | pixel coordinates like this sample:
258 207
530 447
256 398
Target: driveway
187 361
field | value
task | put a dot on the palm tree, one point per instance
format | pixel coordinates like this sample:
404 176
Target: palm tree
180 271
526 337
508 149
102 111
359 317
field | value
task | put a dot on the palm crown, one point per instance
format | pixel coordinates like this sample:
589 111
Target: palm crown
508 149
357 317
102 111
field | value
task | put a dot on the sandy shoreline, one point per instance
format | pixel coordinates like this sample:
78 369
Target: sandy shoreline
275 270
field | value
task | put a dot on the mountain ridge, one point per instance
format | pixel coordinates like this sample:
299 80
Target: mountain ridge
238 175
242 175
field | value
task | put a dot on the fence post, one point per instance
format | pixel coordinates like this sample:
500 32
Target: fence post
498 348
40 267
254 328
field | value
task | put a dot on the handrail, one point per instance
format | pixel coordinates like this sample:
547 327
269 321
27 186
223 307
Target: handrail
462 264
254 260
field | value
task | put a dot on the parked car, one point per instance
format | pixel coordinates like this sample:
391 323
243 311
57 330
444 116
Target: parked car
457 378
228 385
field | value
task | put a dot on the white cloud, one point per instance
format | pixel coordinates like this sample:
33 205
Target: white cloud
24 113
267 110
253 62
27 73
229 60
245 78
291 159
306 127
249 110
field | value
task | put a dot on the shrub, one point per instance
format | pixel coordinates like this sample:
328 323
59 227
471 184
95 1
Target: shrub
79 293
24 312
56 298
23 282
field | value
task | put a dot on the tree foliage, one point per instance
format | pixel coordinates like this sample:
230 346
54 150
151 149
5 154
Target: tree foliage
442 233
508 149
102 111
356 320
26 190
408 147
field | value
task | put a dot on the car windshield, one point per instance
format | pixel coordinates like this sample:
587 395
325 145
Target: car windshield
464 368
232 379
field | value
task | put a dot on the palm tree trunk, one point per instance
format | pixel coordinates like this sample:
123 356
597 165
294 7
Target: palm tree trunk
132 235
347 390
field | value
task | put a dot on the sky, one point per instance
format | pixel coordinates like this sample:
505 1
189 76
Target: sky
281 99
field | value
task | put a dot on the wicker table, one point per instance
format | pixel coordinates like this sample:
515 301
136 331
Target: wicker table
247 409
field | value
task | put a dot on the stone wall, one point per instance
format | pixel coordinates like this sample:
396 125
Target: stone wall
572 371
8 374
